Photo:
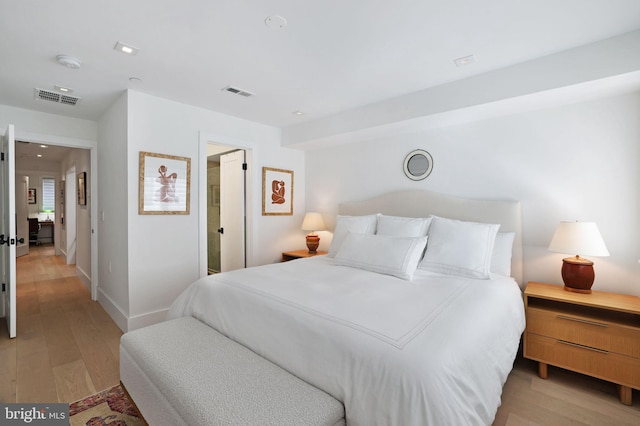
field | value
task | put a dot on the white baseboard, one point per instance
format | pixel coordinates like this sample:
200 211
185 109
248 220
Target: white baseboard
116 314
126 323
150 318
84 277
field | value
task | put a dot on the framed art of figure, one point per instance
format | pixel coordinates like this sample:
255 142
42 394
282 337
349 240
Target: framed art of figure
164 184
277 192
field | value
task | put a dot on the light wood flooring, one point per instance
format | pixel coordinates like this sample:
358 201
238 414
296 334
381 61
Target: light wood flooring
67 348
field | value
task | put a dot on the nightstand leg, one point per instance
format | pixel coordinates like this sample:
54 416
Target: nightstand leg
543 371
625 394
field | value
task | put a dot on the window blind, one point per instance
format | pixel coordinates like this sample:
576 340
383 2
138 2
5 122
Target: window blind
48 195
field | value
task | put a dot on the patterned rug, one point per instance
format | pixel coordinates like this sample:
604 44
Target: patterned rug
111 407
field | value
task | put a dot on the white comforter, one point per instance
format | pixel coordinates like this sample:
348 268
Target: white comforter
432 351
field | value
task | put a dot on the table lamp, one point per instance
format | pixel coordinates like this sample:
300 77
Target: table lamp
313 222
583 238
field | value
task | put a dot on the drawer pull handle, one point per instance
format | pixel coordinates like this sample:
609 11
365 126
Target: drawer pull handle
583 347
599 324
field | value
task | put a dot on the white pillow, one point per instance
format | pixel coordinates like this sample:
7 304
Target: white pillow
396 226
397 256
460 248
501 256
357 224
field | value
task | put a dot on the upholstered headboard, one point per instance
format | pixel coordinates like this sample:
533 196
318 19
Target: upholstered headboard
425 203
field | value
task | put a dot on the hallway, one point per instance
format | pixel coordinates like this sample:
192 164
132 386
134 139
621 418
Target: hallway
66 346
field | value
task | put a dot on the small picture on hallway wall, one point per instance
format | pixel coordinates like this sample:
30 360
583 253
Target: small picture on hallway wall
31 196
82 188
277 192
164 184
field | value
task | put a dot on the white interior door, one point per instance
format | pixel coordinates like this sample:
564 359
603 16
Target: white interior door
232 211
8 230
22 215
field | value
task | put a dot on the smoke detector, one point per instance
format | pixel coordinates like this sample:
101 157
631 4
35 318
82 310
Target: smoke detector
48 95
69 61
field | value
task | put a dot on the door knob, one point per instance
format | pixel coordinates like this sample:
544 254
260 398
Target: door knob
221 230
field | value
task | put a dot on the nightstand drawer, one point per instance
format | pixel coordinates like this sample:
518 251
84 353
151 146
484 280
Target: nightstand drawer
605 365
596 332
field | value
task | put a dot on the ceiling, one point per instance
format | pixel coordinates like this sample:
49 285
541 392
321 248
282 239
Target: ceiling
332 56
26 151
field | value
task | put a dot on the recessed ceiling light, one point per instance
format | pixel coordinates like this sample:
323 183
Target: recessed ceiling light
275 22
125 48
44 146
68 61
135 79
465 60
63 89
297 113
39 155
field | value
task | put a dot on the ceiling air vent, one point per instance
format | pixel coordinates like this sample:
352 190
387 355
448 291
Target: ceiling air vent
48 95
237 91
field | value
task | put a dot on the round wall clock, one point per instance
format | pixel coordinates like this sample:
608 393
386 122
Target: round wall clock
418 164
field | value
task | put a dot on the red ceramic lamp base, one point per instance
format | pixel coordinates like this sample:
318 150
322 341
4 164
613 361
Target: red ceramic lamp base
577 274
313 241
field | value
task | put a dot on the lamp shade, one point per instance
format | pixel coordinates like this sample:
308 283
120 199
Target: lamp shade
578 238
313 222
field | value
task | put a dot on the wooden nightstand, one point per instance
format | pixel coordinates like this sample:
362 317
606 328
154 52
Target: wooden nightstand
597 334
299 254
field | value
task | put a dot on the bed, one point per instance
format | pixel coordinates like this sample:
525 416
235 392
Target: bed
414 317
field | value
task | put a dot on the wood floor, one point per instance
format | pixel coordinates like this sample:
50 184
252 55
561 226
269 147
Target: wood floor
67 348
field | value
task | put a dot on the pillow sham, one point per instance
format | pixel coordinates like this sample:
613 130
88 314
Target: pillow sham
460 248
396 256
501 256
357 224
397 226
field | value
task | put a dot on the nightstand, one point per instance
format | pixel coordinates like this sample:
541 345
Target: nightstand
299 254
597 334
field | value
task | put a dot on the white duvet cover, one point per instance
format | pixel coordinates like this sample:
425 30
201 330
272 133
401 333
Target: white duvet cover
432 351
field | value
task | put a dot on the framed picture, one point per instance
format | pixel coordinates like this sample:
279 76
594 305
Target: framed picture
164 184
277 192
31 196
82 188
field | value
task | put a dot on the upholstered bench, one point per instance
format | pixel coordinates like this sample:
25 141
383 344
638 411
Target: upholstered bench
183 372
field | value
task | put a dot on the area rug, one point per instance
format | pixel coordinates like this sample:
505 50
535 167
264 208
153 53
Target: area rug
111 407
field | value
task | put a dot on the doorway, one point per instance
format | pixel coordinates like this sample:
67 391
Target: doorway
226 208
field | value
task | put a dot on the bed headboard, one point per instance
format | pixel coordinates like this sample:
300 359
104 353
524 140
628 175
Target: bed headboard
424 203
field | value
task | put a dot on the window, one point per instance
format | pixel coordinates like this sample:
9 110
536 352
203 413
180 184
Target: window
48 195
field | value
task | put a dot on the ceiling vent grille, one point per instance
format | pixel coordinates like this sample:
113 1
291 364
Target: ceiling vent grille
48 95
237 91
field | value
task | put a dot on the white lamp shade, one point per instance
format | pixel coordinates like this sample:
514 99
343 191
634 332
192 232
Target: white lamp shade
578 238
313 222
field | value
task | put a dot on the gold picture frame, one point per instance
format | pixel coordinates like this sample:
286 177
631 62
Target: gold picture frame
164 184
277 192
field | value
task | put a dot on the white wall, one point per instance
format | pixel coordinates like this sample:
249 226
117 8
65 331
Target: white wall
163 250
81 159
113 261
571 162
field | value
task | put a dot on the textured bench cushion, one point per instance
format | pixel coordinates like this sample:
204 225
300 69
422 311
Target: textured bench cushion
210 379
